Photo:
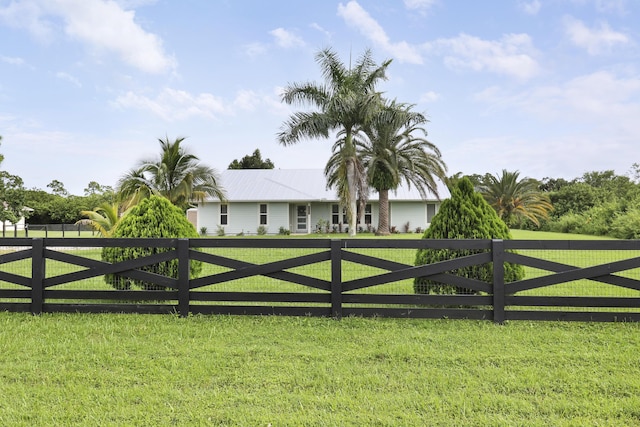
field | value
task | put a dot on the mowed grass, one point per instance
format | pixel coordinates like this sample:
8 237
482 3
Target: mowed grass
258 371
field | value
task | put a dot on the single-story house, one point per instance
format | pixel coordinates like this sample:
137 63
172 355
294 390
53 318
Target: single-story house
297 200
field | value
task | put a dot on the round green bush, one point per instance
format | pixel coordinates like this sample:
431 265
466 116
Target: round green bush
466 215
153 217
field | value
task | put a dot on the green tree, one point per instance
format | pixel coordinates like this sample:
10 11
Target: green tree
253 161
12 199
395 150
343 104
466 215
94 188
634 172
176 175
152 217
57 188
515 199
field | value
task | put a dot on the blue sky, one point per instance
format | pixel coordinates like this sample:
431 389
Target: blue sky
547 87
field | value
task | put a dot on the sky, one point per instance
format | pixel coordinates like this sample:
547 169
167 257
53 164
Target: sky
550 88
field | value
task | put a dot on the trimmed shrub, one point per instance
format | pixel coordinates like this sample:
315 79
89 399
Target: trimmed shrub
153 217
466 215
627 225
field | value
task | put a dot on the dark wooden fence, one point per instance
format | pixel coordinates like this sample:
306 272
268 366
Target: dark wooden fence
31 279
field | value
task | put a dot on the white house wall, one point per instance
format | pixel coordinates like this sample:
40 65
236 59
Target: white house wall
244 217
319 211
415 213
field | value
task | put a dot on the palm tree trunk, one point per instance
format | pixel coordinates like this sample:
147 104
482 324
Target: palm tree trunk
383 214
353 198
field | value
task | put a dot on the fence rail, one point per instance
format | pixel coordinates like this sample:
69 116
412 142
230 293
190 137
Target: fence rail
564 280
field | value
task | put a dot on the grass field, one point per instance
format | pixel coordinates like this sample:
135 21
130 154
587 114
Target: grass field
63 370
259 371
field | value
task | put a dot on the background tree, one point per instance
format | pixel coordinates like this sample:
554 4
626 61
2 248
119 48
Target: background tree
515 199
466 215
49 208
57 188
343 104
634 173
152 217
596 203
395 150
176 175
94 188
12 200
253 161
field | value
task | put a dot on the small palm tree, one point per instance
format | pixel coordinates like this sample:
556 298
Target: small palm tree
104 218
176 175
515 199
344 103
396 151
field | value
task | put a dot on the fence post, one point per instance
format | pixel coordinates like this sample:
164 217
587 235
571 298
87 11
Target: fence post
497 250
336 279
37 275
184 272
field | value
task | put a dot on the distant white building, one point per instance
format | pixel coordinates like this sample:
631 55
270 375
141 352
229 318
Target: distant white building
298 200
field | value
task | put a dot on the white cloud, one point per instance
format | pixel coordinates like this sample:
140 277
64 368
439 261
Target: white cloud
172 104
606 6
615 6
177 105
104 26
286 39
254 49
595 41
355 16
430 96
421 5
530 7
317 26
68 78
28 15
598 99
12 60
512 55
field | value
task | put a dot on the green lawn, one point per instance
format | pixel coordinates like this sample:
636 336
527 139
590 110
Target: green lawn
114 370
259 371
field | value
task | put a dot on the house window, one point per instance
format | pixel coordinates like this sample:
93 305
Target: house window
431 212
224 214
335 214
263 214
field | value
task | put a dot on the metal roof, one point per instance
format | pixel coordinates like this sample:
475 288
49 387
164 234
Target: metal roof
272 185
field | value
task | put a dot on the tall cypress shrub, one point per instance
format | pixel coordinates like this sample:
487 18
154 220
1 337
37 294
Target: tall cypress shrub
466 215
152 217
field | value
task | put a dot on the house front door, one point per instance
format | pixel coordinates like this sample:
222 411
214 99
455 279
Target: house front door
301 219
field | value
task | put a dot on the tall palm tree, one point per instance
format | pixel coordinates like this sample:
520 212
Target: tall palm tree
344 103
515 199
176 175
395 150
